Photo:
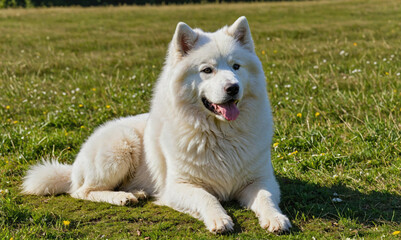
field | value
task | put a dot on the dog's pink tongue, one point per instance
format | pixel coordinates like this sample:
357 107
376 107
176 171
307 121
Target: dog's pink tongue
228 110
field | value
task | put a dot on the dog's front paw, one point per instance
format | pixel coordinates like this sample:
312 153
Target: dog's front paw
219 223
276 222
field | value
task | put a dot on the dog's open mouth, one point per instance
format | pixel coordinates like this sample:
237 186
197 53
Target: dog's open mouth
228 110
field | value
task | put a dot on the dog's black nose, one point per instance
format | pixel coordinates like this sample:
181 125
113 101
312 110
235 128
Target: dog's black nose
232 89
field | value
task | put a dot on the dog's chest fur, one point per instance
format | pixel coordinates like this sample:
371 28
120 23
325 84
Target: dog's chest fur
221 161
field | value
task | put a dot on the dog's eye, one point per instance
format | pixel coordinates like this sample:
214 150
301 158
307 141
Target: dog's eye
207 70
236 66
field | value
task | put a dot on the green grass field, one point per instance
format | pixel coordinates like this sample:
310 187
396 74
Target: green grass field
333 72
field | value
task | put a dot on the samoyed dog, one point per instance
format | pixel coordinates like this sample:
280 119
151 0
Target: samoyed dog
206 138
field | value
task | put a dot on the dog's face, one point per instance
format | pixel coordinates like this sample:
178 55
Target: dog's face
219 69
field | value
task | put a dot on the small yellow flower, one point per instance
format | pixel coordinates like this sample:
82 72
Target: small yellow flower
317 114
80 105
44 113
15 122
66 223
355 44
94 89
396 232
299 115
107 106
293 153
12 238
322 154
275 144
263 52
82 127
387 73
7 107
275 51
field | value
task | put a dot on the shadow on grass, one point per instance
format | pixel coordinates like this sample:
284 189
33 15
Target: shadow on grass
305 201
312 200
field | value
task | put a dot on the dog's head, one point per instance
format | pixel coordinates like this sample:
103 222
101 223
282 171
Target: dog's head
214 72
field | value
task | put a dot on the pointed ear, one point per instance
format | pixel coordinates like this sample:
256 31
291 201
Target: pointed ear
184 38
241 32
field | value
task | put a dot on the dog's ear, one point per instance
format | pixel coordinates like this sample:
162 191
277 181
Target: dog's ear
241 32
184 38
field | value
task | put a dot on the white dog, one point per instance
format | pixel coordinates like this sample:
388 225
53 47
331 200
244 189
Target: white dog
206 139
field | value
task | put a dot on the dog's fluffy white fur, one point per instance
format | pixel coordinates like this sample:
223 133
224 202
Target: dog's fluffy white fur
192 150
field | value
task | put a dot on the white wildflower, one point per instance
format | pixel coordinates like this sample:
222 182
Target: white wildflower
3 191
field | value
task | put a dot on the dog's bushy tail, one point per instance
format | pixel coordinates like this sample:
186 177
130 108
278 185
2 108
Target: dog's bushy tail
47 178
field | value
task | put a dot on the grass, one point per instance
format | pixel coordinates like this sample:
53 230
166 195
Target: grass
333 72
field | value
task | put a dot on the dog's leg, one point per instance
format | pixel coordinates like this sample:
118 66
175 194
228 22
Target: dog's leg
113 197
263 198
108 159
200 204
